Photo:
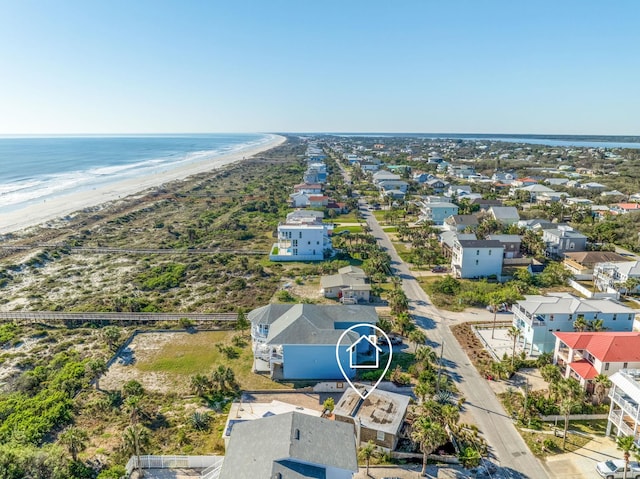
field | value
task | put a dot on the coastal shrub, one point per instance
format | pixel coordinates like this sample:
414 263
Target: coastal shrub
8 332
162 277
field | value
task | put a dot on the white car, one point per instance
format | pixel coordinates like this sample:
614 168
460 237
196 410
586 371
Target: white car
614 469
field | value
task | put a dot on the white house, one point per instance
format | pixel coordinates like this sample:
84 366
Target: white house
538 317
585 355
507 215
299 199
476 258
612 276
302 240
624 411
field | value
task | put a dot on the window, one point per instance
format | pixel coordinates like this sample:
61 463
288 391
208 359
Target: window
625 365
294 243
308 242
477 252
571 317
299 234
380 435
476 262
606 366
615 316
551 317
489 252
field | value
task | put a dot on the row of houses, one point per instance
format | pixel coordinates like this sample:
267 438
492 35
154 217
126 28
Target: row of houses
303 236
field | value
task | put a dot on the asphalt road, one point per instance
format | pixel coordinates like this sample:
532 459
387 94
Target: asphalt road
506 446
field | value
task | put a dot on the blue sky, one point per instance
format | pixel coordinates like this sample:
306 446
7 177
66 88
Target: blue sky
122 66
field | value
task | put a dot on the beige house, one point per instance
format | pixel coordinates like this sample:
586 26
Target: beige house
378 418
349 285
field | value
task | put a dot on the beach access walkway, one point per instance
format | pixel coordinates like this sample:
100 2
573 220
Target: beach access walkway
106 250
110 317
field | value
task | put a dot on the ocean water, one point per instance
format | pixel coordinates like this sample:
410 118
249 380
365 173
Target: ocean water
34 169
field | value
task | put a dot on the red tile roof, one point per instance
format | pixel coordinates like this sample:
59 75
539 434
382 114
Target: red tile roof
628 206
608 347
584 369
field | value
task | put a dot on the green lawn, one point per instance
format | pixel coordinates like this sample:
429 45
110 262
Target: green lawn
189 354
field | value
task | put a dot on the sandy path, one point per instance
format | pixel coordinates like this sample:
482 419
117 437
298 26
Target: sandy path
65 205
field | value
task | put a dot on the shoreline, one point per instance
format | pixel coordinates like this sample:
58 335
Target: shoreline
60 207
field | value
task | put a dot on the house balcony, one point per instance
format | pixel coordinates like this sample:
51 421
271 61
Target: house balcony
626 404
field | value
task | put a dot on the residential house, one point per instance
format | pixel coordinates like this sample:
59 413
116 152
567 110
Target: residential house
504 176
593 186
582 264
624 410
476 258
461 171
635 197
243 412
291 445
536 224
448 238
461 222
613 276
422 177
578 201
538 317
384 175
507 215
510 243
612 195
349 285
386 185
299 199
484 204
378 418
308 188
534 191
318 201
394 194
457 191
623 208
546 198
298 341
305 215
304 239
563 239
522 182
585 355
600 212
436 184
437 212
556 181
316 173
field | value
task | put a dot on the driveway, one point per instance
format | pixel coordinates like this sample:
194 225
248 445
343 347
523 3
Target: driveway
582 463
506 445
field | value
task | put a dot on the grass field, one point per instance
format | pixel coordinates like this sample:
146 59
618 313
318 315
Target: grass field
350 228
189 354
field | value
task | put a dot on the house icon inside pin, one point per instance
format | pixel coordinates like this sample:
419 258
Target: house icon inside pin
353 353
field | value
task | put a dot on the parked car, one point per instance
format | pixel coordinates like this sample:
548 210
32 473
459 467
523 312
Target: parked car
614 469
439 269
395 340
502 308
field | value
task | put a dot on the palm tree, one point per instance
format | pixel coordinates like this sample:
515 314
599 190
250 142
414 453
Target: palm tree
602 383
571 394
367 452
427 356
96 368
200 384
75 440
385 324
429 435
627 445
424 389
403 323
135 439
514 333
580 324
417 337
398 301
596 325
134 407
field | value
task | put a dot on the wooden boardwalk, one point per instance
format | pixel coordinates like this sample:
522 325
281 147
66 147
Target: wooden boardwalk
109 317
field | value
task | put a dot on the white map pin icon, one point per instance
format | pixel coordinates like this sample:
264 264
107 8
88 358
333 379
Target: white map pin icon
350 350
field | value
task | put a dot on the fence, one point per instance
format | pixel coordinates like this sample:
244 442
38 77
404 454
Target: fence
573 417
208 463
590 294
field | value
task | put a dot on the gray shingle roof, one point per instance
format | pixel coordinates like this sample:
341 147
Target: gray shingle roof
310 323
480 244
289 443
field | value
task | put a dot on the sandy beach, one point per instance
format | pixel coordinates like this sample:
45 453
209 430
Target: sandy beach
66 205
